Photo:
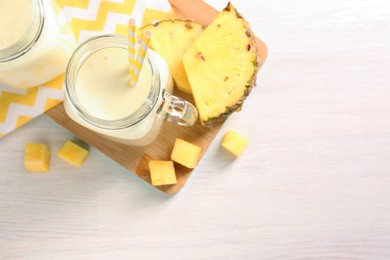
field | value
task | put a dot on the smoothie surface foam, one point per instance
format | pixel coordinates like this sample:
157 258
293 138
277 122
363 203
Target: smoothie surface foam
15 19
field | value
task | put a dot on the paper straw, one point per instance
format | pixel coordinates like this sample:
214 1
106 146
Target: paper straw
143 49
132 46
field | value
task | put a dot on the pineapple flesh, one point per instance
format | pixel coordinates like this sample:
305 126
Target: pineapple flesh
234 142
186 153
73 153
221 66
36 157
162 173
171 38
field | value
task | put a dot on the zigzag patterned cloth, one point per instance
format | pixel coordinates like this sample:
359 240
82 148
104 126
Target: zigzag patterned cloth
88 18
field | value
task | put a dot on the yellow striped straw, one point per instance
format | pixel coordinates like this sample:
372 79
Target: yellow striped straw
132 37
143 49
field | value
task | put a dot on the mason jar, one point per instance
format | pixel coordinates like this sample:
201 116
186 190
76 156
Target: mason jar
99 96
35 42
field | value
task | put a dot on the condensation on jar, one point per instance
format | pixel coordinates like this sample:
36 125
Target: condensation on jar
35 42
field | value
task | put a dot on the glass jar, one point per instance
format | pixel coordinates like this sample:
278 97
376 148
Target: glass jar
99 97
41 51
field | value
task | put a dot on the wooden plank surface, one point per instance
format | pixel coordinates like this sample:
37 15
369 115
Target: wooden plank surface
136 159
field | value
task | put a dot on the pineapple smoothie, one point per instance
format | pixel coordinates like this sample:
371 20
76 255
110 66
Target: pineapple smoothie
35 42
103 85
13 27
99 96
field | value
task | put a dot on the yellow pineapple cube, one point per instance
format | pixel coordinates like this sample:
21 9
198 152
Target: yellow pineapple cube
234 142
73 153
186 153
162 173
36 157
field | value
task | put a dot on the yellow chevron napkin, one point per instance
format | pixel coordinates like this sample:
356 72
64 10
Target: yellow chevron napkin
88 18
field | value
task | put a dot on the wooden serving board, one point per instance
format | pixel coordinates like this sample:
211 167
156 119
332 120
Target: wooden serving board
136 159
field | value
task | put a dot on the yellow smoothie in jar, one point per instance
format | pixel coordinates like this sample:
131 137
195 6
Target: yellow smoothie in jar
100 97
103 87
35 42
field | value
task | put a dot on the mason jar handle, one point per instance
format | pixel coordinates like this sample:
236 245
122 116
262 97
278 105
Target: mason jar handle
177 110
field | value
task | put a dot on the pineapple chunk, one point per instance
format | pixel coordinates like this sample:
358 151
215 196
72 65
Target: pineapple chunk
73 153
234 143
221 66
36 157
162 173
185 153
171 38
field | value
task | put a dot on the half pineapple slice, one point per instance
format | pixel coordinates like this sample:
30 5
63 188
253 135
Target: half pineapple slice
171 38
221 66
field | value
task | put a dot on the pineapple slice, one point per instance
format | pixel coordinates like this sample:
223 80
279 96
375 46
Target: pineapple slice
73 153
221 66
234 143
36 157
186 153
171 38
162 173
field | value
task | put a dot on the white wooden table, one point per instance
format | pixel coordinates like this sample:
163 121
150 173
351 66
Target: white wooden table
314 182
